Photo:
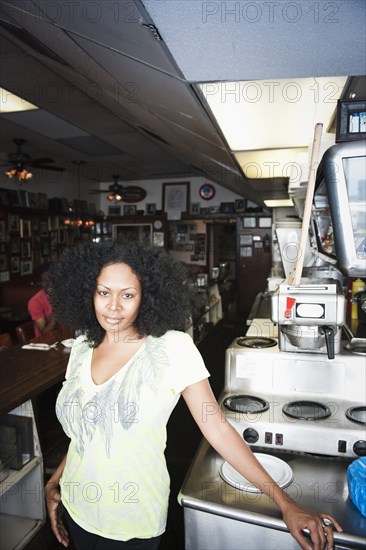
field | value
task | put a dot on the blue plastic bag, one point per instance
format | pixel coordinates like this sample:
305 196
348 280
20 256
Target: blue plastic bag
356 478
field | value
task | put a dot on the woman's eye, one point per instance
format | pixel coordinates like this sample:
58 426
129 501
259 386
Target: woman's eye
128 296
103 293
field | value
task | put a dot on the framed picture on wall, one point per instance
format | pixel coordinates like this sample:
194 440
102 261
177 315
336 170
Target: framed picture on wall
351 120
151 209
25 249
13 223
14 264
25 228
176 197
195 208
249 222
240 205
226 207
129 209
15 246
26 267
114 210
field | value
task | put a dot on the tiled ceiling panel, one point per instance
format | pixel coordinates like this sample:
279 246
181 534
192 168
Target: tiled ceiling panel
120 26
91 145
112 79
241 40
46 124
148 89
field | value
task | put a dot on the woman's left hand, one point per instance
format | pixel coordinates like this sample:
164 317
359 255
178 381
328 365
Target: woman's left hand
320 527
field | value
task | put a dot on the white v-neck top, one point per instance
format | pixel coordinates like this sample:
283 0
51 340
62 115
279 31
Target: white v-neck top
115 482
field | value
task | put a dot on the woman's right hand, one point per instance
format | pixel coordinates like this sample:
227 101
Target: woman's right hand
54 508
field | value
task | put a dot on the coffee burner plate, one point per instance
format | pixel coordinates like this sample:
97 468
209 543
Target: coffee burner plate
307 410
246 404
257 342
357 414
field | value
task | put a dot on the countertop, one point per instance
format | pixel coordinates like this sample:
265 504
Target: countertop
319 484
26 373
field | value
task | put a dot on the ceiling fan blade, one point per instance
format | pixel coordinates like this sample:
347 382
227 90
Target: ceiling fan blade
129 194
46 167
44 160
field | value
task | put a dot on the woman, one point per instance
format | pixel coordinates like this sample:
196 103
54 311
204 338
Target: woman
125 375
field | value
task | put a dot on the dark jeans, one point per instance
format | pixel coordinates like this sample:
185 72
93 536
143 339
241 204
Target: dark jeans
83 540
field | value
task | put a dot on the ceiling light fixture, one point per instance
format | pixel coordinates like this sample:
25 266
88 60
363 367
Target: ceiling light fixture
17 164
278 203
11 103
278 114
76 217
19 172
115 196
115 191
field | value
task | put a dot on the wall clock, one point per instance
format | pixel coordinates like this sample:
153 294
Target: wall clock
207 191
158 224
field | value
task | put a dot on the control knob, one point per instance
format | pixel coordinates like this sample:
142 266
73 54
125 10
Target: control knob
359 448
250 435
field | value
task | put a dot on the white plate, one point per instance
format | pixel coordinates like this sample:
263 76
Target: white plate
38 346
278 469
68 343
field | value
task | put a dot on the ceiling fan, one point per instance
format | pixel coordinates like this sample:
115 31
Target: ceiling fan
116 192
20 164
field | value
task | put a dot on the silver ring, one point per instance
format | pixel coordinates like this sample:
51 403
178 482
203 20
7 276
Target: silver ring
326 522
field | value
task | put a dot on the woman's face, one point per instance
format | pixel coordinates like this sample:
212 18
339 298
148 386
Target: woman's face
117 297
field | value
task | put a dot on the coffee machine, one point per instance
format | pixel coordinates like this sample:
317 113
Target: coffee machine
310 316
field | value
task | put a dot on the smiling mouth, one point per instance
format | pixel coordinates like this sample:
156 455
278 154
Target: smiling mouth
111 321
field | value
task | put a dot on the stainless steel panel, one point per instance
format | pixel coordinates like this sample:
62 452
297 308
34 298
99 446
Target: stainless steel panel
205 531
319 484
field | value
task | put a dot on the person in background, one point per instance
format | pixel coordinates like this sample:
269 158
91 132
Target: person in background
40 311
126 372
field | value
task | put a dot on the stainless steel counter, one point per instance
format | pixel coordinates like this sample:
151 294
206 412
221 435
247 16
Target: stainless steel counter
319 483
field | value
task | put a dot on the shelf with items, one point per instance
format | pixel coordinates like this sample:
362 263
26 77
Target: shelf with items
144 229
187 242
31 237
210 312
22 508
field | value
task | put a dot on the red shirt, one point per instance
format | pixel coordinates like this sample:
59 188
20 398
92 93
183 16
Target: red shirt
38 307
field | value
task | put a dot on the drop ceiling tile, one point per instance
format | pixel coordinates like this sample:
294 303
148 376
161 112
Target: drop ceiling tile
116 25
91 145
142 88
45 123
229 41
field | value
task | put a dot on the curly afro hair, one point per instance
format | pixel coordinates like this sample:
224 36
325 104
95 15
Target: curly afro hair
167 296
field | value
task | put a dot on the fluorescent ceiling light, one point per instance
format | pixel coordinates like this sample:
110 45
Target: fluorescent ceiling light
277 203
271 163
272 114
11 103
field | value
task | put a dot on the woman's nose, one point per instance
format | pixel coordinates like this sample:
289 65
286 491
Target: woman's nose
114 304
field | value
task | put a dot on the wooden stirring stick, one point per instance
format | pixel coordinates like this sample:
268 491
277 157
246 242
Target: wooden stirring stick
295 277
